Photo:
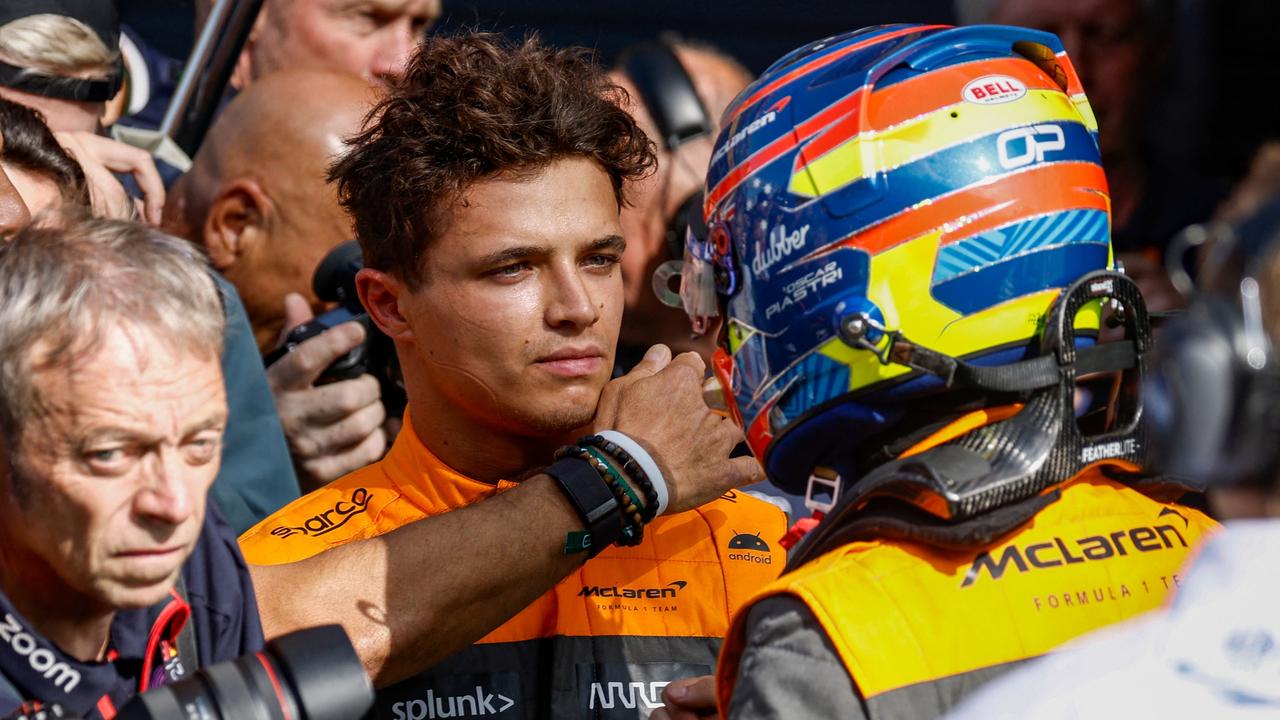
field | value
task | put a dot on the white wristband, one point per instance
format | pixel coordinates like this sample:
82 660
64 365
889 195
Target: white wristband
646 463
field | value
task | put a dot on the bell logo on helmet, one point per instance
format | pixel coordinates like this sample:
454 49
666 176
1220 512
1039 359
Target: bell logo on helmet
993 90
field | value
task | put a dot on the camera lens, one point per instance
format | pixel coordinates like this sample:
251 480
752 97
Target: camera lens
311 674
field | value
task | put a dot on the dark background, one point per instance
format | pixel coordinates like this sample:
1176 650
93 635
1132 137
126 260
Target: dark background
1221 96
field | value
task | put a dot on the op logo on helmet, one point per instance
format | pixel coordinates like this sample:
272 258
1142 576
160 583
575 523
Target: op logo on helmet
993 90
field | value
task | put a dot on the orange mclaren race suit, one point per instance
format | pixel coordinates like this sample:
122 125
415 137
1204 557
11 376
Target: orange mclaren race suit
601 644
890 628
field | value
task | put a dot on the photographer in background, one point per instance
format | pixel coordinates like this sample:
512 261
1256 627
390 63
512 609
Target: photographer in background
676 91
256 201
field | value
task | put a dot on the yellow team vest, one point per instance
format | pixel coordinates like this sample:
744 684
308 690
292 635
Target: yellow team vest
903 616
602 643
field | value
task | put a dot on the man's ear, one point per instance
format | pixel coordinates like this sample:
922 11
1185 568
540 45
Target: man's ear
242 73
382 296
236 221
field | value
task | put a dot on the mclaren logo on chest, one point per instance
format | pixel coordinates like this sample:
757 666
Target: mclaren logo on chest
1056 551
329 520
652 593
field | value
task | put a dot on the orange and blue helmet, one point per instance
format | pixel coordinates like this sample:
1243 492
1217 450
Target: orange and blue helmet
938 183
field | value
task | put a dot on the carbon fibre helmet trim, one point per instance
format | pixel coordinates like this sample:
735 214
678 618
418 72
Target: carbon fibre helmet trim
962 492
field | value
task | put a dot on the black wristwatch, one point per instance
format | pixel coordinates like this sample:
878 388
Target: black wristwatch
593 501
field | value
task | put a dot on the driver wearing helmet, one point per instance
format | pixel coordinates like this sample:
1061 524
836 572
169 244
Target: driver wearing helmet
907 252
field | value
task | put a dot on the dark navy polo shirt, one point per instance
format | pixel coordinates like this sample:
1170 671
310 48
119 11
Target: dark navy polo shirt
224 616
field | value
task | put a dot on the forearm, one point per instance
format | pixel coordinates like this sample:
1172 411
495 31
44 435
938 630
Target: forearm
432 587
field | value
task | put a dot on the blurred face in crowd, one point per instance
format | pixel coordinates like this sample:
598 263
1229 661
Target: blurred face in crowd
14 213
1110 45
106 496
279 234
256 197
516 322
37 192
369 38
60 115
655 200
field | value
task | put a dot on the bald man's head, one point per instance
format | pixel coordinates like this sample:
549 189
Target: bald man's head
256 198
655 200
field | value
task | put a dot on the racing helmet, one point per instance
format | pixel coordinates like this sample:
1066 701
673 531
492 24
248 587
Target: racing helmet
937 183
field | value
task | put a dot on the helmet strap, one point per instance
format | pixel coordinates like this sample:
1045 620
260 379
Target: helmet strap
956 492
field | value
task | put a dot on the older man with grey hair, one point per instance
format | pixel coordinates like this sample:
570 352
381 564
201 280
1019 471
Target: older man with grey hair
112 411
111 417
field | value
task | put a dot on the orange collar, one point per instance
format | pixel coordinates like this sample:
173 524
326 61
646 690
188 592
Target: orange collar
427 480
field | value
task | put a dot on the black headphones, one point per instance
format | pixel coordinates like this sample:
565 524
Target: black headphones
667 91
1214 391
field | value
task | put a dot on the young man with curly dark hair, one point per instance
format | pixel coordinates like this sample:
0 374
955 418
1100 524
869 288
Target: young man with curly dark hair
486 191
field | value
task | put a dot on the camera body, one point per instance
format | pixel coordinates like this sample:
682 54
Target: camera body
335 281
311 674
352 365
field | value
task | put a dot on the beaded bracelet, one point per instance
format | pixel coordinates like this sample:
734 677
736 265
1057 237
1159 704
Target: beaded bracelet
632 468
653 473
627 499
628 507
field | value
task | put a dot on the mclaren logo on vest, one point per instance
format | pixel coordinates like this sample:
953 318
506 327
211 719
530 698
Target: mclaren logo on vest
329 520
651 593
42 660
1056 551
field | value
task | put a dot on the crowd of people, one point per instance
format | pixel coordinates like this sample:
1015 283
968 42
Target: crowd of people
653 390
